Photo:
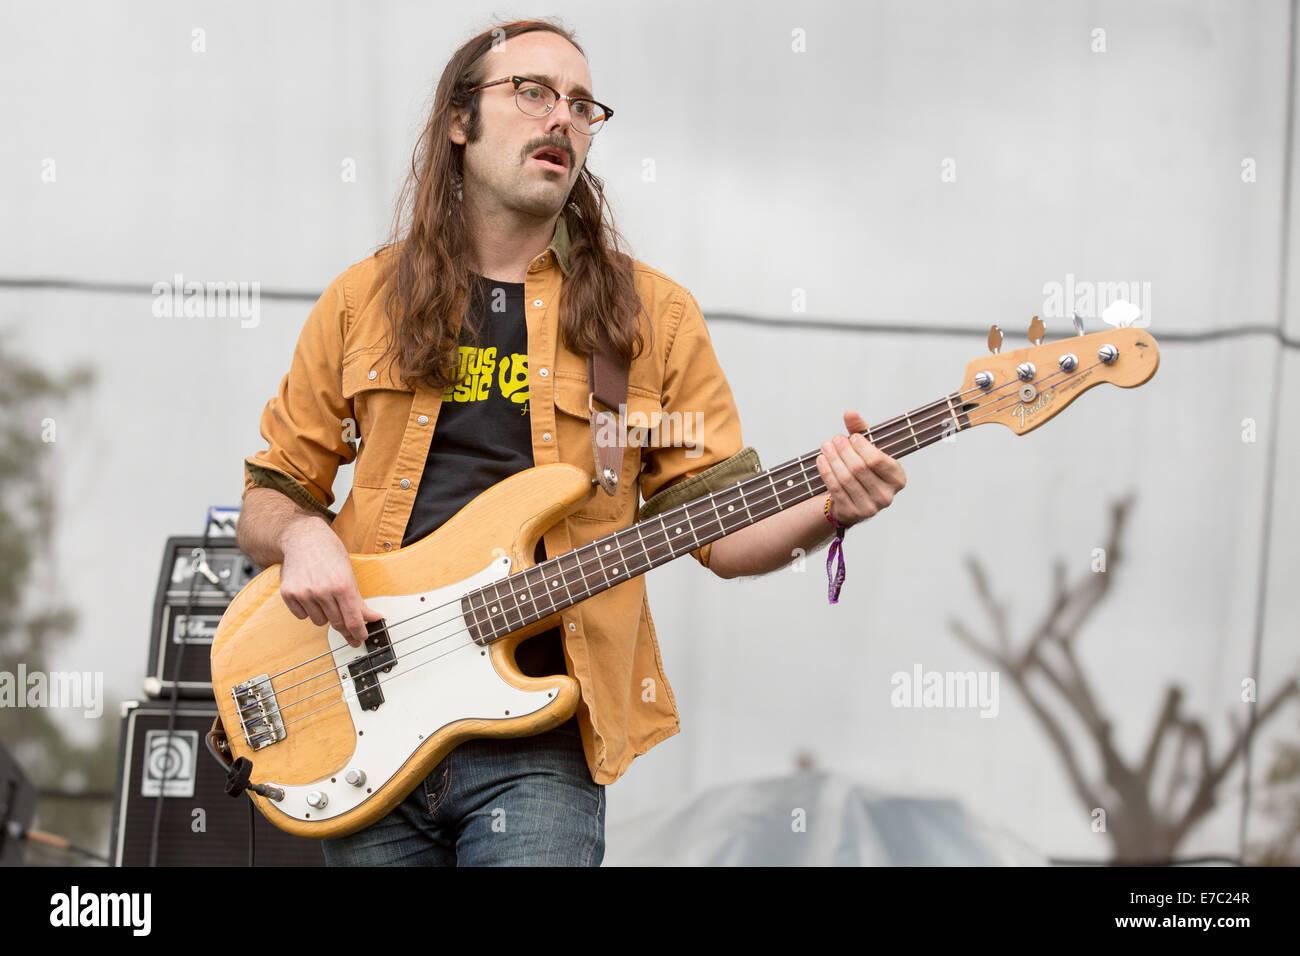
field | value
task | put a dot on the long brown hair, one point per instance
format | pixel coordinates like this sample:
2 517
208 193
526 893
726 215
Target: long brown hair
426 261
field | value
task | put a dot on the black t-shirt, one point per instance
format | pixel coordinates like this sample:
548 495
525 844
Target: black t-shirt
483 435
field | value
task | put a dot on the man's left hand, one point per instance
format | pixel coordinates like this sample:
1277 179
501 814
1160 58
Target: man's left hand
861 478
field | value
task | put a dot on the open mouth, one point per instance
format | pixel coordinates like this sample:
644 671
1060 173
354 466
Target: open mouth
552 158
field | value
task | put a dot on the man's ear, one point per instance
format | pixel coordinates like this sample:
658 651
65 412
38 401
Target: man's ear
457 129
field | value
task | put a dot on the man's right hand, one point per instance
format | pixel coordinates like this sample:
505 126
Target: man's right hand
317 581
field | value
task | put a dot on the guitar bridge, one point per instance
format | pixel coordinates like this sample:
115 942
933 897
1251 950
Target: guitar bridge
259 713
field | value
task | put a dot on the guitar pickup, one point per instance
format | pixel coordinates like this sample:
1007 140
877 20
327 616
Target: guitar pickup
379 658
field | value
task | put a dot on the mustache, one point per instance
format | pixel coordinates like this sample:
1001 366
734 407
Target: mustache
562 146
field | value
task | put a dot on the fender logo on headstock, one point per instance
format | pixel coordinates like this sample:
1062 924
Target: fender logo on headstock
1029 387
1024 411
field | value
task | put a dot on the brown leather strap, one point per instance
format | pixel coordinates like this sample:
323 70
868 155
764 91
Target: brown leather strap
607 380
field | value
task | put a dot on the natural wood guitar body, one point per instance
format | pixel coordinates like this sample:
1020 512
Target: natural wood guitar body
323 741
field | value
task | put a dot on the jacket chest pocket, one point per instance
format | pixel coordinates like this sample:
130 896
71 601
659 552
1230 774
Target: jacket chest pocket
573 423
381 404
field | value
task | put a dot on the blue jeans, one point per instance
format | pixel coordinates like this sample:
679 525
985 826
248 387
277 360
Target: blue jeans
518 801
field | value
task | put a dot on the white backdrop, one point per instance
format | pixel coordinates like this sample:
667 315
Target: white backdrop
916 164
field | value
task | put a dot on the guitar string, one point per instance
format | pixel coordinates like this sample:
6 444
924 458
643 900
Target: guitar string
582 567
465 630
346 697
935 414
944 413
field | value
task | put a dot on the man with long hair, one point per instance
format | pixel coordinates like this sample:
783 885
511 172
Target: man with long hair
455 356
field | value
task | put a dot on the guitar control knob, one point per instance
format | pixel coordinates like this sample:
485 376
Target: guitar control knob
317 800
1108 354
1026 371
984 380
1068 362
356 777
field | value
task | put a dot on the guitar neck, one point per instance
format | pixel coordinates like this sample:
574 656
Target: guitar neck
535 593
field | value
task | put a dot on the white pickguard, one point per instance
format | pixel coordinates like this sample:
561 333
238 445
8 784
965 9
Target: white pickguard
440 676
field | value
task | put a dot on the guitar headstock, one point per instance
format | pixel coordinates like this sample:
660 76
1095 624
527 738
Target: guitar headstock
1025 388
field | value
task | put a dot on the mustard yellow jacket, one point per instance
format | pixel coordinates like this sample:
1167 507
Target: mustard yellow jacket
338 389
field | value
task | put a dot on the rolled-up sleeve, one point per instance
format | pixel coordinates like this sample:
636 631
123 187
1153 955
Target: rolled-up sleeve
700 448
306 424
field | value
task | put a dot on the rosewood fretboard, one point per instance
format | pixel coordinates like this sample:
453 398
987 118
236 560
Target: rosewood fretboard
530 595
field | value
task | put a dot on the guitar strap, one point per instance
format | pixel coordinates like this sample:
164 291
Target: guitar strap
607 381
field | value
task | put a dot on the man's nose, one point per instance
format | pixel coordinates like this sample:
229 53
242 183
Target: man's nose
553 118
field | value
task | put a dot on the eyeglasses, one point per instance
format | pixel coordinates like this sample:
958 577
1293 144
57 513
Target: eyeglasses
535 98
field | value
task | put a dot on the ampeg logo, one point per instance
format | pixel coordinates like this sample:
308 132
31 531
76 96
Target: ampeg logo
201 630
169 763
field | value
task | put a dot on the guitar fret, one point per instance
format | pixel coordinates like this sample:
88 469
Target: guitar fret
613 576
473 611
645 552
744 503
514 600
644 545
532 578
492 610
582 582
912 430
559 579
786 485
664 545
731 510
601 555
599 584
675 537
707 510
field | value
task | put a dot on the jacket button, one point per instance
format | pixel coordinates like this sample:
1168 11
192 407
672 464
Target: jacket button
537 302
405 483
546 436
542 372
572 626
422 420
372 375
388 546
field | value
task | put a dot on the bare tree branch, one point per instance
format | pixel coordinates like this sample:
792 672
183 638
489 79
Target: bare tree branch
1140 826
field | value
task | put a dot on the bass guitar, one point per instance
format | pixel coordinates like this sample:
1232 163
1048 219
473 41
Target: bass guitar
337 736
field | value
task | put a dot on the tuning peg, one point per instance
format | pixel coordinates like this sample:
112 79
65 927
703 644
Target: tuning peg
995 340
1078 324
1036 331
